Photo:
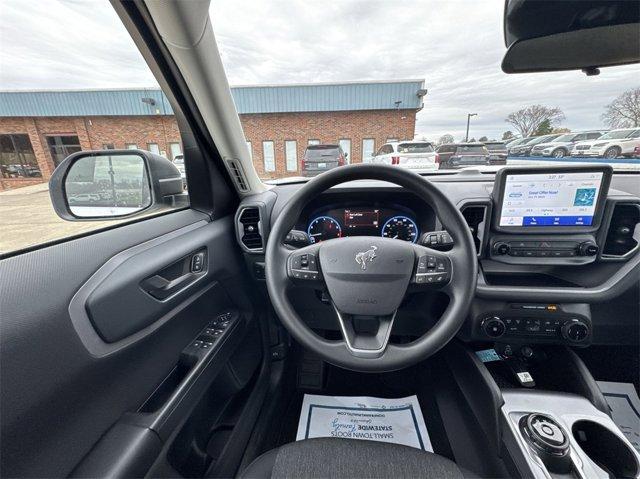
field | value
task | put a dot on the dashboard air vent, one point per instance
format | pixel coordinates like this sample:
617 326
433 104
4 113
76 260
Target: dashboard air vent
249 223
622 237
238 175
475 216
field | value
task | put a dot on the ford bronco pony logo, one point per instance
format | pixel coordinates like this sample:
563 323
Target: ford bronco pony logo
364 256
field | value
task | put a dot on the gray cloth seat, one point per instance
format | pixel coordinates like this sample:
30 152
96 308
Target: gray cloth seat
350 458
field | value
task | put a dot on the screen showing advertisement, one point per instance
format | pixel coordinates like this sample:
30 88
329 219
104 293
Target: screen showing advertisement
550 199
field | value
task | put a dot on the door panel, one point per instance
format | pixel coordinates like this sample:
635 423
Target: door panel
63 386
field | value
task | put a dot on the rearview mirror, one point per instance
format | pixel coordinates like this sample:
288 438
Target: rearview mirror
549 35
93 185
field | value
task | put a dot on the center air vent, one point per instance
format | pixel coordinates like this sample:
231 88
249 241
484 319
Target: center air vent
250 230
475 216
622 237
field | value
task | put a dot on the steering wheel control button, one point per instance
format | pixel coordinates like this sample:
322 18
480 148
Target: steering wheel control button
432 270
304 266
436 239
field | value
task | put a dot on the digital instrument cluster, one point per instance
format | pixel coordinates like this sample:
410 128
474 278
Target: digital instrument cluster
363 221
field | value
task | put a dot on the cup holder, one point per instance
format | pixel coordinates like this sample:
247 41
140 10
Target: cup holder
606 449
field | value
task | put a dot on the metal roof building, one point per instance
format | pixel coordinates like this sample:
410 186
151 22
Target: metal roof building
356 96
38 129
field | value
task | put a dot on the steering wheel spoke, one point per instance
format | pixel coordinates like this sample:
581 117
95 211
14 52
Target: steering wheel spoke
303 266
365 336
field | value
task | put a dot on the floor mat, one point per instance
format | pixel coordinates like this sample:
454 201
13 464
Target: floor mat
623 401
398 421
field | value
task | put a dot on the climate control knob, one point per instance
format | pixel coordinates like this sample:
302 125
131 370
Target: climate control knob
501 248
588 248
493 327
575 330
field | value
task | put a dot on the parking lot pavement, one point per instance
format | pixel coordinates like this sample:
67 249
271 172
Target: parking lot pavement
28 219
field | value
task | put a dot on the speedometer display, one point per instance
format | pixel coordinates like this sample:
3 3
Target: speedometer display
323 228
400 227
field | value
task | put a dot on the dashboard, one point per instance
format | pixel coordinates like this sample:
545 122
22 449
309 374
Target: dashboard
558 249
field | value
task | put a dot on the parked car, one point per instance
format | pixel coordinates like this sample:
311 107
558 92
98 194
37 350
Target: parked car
459 155
320 158
621 142
497 152
512 142
525 148
419 155
513 148
563 145
178 160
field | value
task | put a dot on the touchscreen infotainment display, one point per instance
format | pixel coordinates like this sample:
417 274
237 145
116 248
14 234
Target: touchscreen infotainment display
550 199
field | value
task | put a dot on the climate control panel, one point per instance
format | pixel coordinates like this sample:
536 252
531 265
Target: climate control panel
571 249
536 323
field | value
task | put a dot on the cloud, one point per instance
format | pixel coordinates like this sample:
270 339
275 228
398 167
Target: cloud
456 46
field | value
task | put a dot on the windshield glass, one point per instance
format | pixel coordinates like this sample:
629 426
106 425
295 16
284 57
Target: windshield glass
321 151
465 149
333 66
415 148
615 135
568 137
354 75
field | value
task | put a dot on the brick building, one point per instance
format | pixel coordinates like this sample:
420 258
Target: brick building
39 129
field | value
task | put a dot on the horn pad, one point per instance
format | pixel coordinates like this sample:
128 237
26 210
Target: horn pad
367 275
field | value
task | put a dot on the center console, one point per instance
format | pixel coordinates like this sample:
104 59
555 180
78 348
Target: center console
564 435
556 425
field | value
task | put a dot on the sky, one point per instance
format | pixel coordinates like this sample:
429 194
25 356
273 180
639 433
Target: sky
455 46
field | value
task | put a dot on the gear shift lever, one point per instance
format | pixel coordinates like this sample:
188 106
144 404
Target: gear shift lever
549 441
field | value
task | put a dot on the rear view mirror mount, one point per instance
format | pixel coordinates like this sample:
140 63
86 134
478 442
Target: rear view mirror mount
548 35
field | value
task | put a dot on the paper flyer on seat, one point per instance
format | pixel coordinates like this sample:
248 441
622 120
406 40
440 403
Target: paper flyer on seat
397 421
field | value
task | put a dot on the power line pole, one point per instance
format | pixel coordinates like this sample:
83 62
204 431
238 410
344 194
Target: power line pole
469 115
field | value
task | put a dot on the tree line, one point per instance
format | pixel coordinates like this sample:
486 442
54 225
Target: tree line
536 120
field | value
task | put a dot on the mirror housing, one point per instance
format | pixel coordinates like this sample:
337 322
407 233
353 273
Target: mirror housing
157 185
549 35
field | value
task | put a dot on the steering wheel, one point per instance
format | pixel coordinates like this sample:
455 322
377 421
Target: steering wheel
367 277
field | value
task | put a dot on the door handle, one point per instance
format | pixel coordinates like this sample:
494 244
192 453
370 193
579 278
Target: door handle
161 287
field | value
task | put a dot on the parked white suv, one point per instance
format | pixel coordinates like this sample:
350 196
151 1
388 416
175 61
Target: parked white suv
418 155
616 143
564 144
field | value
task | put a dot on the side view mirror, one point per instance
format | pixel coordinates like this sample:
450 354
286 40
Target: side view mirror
109 184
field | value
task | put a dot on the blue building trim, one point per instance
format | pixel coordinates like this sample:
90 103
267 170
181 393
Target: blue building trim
249 99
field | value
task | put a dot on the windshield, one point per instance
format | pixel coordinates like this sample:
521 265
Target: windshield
415 148
542 139
615 135
354 75
561 138
328 151
465 149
